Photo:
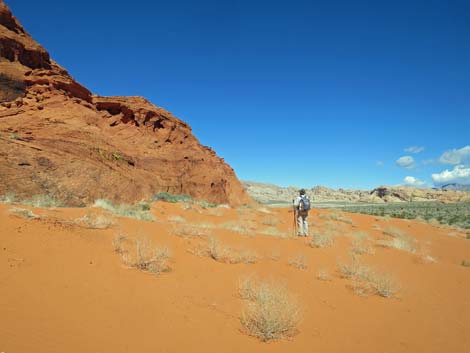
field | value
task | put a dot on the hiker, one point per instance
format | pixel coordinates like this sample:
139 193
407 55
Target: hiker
301 208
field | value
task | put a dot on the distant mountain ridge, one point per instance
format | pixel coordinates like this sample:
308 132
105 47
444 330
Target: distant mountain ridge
454 186
272 194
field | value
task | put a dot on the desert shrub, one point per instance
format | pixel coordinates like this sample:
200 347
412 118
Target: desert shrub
383 285
205 204
353 268
11 88
337 216
8 198
360 235
192 230
176 219
360 247
322 239
393 232
38 201
150 259
43 201
368 281
95 221
226 254
23 213
139 211
118 243
298 261
271 311
465 263
399 240
165 196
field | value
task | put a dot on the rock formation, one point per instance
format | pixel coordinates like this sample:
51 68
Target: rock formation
272 194
60 140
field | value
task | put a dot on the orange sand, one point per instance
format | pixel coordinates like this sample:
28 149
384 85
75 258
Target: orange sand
64 289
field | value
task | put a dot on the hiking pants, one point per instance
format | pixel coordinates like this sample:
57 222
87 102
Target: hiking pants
302 223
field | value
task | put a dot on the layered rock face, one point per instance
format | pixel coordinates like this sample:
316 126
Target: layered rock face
272 194
58 139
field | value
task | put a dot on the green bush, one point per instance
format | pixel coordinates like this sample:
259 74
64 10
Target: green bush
165 196
140 211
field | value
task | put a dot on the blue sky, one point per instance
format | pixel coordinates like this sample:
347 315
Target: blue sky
295 92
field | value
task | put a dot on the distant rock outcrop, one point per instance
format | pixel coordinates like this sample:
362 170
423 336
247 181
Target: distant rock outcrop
272 194
59 139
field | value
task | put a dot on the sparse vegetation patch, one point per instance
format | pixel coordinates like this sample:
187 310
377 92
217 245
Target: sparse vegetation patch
95 221
271 312
192 230
140 211
23 213
367 281
322 239
298 261
226 254
153 259
456 214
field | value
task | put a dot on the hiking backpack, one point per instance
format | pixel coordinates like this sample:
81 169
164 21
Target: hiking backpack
304 204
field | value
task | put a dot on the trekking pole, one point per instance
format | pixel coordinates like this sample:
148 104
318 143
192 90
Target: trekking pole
295 221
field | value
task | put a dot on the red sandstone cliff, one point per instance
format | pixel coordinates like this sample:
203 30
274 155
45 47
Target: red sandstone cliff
59 139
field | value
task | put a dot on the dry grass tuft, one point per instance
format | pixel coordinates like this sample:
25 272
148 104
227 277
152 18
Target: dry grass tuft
271 312
118 243
465 263
274 232
242 227
298 261
23 213
224 253
93 221
367 281
360 235
400 240
337 216
176 219
361 247
152 259
148 258
322 240
192 230
393 232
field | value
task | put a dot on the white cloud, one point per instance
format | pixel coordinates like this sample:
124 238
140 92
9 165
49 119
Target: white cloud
406 162
412 181
455 156
414 149
379 164
428 162
460 175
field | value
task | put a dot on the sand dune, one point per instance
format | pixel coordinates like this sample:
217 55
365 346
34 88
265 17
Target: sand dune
65 289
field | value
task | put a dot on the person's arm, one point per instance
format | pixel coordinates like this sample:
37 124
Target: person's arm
296 204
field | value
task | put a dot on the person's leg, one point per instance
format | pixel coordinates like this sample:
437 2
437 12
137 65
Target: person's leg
300 225
306 225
